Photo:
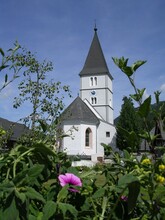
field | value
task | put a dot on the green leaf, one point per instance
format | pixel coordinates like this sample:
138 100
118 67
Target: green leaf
2 52
49 209
144 109
137 97
120 62
134 189
3 67
31 217
64 207
20 195
42 148
99 193
7 187
40 216
163 158
63 193
137 64
36 170
6 78
126 154
33 194
127 70
159 195
10 212
125 180
43 125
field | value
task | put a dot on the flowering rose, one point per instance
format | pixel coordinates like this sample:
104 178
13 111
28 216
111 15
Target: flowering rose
70 179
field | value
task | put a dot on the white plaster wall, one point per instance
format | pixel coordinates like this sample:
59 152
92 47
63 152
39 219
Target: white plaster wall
101 135
71 144
104 95
75 144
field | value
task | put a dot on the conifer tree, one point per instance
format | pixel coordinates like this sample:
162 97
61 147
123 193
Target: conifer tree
128 127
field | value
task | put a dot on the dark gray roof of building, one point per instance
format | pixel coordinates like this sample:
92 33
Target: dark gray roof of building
16 129
95 62
78 110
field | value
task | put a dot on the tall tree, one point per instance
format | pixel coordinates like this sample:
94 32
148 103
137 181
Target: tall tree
128 127
45 97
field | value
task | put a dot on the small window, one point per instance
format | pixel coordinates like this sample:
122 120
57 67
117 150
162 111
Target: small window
91 81
95 80
107 134
88 137
94 100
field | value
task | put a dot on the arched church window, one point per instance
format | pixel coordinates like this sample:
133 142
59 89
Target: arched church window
88 137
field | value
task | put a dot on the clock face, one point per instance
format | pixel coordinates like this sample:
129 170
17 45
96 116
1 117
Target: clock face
93 92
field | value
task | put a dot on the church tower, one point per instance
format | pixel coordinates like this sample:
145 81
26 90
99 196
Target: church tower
89 118
96 81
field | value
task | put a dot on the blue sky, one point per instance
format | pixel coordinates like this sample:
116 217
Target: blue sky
62 30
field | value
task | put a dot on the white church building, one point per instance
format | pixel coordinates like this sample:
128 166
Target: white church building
89 118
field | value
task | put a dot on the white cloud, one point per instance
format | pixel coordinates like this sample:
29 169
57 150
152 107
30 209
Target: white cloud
145 95
162 88
7 92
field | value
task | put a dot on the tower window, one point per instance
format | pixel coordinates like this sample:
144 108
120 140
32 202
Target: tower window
93 81
88 137
93 100
107 134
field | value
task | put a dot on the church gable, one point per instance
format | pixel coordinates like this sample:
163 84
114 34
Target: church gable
79 111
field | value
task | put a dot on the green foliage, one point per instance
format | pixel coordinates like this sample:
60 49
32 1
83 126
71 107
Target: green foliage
44 97
9 64
144 109
128 127
127 188
25 180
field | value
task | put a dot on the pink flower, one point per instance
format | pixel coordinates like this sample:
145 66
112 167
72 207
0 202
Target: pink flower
124 198
70 179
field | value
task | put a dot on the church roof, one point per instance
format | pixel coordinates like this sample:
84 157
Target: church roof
15 128
95 62
78 110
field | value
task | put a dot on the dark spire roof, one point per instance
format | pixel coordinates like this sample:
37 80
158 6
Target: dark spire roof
78 110
95 62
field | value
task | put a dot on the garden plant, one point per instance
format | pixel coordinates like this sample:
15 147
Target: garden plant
37 182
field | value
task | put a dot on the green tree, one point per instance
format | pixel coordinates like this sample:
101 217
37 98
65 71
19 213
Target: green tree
9 65
128 127
44 97
144 110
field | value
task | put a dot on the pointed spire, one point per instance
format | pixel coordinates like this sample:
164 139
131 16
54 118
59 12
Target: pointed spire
95 62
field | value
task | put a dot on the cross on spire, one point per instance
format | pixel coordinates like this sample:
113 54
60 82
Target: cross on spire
95 28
